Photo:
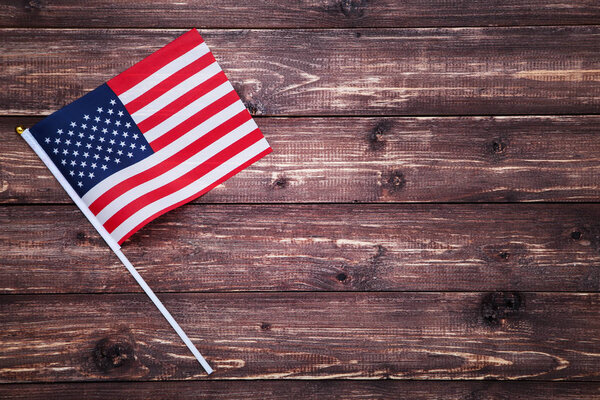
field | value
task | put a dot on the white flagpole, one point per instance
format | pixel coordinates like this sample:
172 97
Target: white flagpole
35 146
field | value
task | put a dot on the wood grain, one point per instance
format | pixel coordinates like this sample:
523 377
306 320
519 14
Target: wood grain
524 335
53 249
441 71
306 390
426 159
297 14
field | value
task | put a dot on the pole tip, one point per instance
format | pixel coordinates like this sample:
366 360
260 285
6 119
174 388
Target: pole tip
19 129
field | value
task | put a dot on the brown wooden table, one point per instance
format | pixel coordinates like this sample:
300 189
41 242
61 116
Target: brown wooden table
428 225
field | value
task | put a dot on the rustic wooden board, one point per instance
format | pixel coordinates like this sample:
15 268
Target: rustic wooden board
297 14
302 389
445 71
426 159
53 249
549 336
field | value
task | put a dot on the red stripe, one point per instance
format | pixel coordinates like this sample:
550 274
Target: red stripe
191 149
169 83
155 61
182 101
200 193
194 121
171 187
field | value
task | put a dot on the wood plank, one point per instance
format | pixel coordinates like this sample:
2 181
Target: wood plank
524 335
297 14
53 249
426 159
308 390
447 71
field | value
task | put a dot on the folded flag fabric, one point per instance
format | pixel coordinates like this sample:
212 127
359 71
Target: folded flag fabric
156 136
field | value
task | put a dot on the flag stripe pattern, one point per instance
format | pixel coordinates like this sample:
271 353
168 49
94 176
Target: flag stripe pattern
194 130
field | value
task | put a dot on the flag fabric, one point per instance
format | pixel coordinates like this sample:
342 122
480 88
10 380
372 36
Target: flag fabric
156 136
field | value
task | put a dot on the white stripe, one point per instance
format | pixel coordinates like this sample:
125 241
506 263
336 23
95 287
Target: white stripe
176 172
163 73
174 93
190 190
187 111
166 152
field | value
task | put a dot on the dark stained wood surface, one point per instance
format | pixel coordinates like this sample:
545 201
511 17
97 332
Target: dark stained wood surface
428 159
310 247
303 389
297 14
288 284
441 71
524 335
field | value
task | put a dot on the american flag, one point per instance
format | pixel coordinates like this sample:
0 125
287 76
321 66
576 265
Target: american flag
156 136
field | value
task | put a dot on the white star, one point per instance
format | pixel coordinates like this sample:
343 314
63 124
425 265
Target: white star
91 175
99 109
81 134
119 152
94 128
73 124
112 102
78 144
107 121
103 167
73 163
79 184
65 152
127 125
88 146
70 133
143 147
57 140
122 144
104 130
109 150
135 136
60 131
132 145
83 126
129 155
86 117
97 119
106 158
75 153
72 173
86 154
47 140
111 141
83 164
120 113
63 162
81 173
91 137
55 151
125 134
117 160
114 132
68 142
110 112
118 123
93 165
96 156
99 148
101 139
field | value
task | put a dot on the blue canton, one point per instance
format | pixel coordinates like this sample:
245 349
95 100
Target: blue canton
91 139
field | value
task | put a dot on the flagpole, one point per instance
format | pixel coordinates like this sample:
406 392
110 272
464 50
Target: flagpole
112 243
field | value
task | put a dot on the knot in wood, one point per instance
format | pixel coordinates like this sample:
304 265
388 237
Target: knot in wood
109 354
498 306
280 183
353 8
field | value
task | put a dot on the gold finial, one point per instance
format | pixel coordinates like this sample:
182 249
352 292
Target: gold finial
19 129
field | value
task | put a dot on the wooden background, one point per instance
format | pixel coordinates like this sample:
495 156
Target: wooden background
428 225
